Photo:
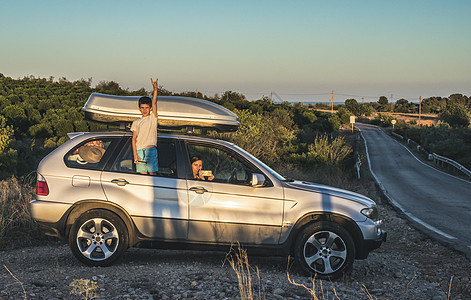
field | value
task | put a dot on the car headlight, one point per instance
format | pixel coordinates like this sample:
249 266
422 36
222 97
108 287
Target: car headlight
370 212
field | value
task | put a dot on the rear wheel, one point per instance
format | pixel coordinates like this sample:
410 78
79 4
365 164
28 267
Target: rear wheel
98 238
325 250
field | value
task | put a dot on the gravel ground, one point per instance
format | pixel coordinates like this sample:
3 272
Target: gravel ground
407 266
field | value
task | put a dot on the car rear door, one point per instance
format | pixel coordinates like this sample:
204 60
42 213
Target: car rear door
158 204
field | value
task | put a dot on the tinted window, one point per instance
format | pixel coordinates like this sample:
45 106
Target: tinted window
89 155
222 164
166 159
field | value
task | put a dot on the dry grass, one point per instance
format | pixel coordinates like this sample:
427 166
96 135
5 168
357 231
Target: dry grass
16 223
425 119
86 288
239 262
17 281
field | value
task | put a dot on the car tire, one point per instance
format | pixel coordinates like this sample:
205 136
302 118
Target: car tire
98 238
325 250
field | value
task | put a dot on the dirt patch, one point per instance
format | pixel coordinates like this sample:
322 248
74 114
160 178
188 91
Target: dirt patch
424 120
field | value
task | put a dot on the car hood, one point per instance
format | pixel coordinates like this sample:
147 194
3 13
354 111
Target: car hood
331 191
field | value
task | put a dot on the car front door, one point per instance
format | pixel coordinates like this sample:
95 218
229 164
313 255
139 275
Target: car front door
158 204
224 207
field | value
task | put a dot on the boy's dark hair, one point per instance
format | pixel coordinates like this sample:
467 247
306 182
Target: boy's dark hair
145 100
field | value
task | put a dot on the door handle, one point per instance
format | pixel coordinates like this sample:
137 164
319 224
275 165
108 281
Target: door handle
198 190
120 181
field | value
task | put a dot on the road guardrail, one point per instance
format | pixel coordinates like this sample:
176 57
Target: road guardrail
437 159
441 159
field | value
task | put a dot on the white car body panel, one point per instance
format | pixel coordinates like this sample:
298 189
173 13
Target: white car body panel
229 213
157 205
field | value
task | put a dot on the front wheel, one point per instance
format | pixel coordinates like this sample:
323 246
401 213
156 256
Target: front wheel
325 250
98 238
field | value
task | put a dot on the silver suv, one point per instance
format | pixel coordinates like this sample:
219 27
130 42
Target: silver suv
88 192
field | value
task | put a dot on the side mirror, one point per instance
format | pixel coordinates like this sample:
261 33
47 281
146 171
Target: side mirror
258 180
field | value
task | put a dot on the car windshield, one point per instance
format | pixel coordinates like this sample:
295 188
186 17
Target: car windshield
270 170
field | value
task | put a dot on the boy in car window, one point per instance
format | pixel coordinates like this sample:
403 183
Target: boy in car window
144 135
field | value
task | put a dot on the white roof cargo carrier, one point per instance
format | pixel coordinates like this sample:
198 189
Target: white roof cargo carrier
174 112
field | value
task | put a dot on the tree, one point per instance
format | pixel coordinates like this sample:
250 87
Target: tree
62 127
458 98
16 116
264 135
456 114
6 135
383 100
402 105
366 109
334 122
344 115
40 130
83 83
303 116
232 96
402 102
433 104
8 156
110 87
353 106
383 104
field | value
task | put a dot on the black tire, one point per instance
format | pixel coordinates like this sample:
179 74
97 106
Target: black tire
98 238
325 250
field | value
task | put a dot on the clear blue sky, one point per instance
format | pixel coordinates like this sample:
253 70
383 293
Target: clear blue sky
301 50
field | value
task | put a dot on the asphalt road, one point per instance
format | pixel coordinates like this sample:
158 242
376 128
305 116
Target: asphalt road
438 203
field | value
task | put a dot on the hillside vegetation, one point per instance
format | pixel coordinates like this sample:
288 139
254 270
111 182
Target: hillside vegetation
37 113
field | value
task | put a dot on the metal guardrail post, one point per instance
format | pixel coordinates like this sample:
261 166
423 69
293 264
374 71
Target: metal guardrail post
357 166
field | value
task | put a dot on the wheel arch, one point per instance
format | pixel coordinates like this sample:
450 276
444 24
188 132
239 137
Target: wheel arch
84 206
347 223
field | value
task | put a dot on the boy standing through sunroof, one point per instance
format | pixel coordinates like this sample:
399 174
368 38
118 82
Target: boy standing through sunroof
144 135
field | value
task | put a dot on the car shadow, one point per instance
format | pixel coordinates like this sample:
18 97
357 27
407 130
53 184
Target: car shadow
207 259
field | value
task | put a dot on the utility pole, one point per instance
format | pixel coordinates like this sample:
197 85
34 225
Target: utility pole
391 103
362 98
271 97
332 110
420 107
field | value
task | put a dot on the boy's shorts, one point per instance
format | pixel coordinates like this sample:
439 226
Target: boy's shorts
148 160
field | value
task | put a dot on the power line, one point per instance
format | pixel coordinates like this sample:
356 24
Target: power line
281 95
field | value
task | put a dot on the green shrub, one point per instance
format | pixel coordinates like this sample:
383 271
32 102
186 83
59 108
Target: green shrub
456 114
325 150
8 155
454 143
266 136
344 115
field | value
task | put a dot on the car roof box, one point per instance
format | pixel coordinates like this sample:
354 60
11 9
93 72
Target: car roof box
174 112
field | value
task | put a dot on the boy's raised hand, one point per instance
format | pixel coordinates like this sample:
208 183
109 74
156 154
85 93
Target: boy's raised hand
155 83
154 98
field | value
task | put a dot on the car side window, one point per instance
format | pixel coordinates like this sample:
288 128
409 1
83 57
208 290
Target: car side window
221 163
166 155
89 154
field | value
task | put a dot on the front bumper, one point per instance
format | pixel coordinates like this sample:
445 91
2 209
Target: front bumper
369 245
373 236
